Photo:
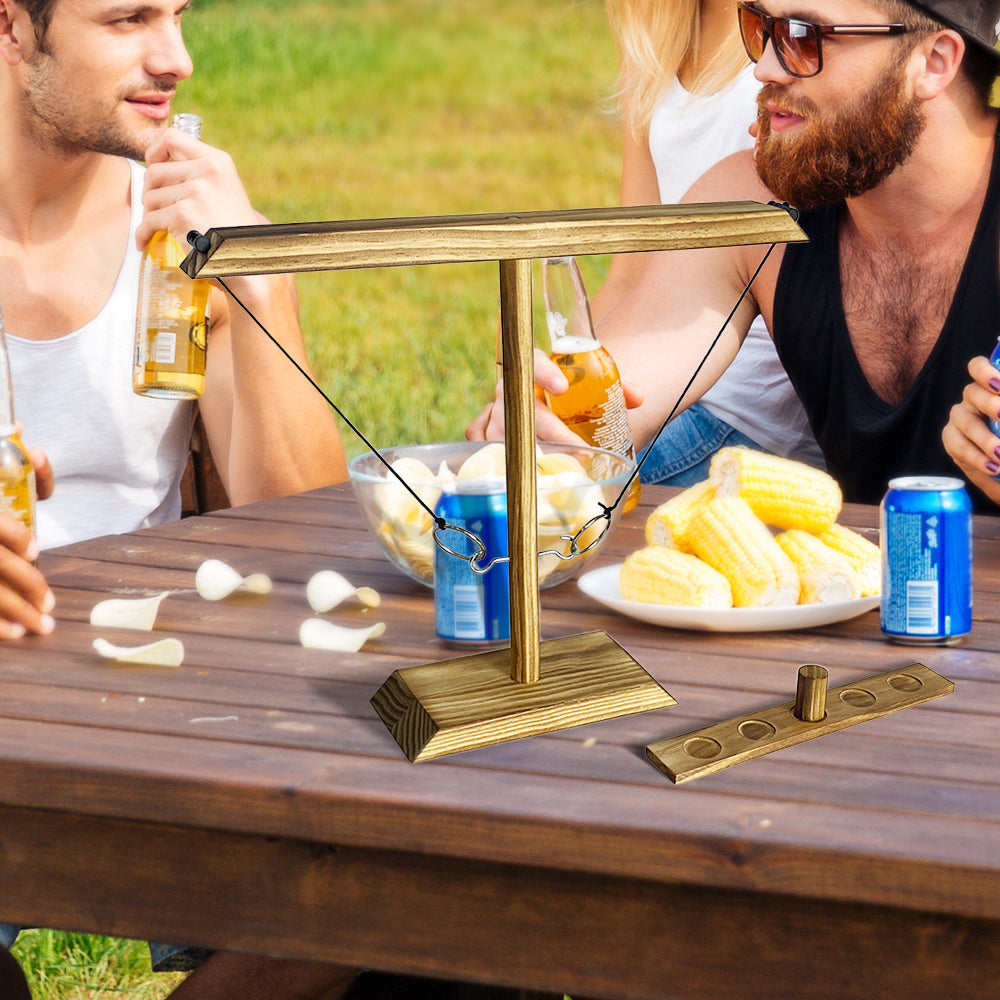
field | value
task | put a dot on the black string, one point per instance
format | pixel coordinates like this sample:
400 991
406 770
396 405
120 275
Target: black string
439 521
701 364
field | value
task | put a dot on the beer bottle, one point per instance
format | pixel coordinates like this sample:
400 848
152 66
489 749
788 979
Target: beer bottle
17 477
171 326
594 404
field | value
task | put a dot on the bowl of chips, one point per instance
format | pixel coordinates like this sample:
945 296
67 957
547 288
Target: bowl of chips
399 489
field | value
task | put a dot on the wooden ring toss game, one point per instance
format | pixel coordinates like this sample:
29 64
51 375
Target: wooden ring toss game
534 687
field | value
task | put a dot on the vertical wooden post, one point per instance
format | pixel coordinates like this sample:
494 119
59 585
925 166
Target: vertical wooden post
810 693
522 506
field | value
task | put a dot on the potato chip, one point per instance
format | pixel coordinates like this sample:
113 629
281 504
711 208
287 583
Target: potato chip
327 588
216 580
162 653
137 613
316 633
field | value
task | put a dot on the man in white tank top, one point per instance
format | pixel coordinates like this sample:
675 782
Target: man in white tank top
84 94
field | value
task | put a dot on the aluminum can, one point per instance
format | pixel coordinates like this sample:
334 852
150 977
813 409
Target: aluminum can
472 608
926 534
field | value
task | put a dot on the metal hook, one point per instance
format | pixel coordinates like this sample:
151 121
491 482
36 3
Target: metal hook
473 559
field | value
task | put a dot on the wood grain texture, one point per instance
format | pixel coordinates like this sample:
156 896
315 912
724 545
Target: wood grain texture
536 926
522 491
441 708
723 744
352 243
254 793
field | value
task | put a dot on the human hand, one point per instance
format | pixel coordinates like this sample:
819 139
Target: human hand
44 479
489 424
967 437
25 598
190 185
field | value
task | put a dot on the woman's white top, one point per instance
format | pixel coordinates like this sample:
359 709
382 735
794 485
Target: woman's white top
688 134
118 458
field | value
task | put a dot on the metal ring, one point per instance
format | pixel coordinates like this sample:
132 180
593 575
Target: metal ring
473 559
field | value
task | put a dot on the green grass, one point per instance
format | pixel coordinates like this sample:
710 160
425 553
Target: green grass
385 108
377 108
89 967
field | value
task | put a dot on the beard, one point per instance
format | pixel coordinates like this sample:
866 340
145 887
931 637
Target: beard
842 157
68 127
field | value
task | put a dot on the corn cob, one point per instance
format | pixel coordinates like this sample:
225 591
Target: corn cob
667 525
863 555
659 575
825 576
726 534
781 492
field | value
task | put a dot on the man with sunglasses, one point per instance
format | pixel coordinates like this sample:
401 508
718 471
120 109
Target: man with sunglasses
874 120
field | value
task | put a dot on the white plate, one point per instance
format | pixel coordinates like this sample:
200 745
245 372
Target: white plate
602 586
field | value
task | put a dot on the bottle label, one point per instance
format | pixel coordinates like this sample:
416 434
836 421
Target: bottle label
164 347
612 429
17 496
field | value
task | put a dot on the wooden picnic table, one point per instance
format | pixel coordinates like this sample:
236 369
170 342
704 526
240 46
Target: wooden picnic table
251 798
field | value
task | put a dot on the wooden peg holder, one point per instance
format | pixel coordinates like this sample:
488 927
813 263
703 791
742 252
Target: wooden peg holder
814 712
532 687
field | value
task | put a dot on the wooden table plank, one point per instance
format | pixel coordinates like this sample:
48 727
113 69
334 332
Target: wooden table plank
256 749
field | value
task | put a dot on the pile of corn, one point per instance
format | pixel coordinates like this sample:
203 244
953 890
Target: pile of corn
712 545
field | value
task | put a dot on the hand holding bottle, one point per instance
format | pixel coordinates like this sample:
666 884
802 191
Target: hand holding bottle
594 404
25 599
172 316
488 424
190 185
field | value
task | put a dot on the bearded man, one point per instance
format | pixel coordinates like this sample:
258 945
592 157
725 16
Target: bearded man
873 119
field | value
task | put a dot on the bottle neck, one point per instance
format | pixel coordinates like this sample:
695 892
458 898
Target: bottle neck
187 123
6 389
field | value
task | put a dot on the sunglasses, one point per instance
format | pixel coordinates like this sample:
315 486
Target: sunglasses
797 43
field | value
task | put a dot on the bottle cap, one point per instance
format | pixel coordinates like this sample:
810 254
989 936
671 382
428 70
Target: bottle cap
187 123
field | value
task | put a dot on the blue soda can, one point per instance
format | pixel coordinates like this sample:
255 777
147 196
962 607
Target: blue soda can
926 527
472 608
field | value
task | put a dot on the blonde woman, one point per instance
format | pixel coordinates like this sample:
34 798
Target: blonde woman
687 95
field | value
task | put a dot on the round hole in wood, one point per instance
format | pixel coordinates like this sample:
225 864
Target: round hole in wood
756 729
858 697
905 682
702 747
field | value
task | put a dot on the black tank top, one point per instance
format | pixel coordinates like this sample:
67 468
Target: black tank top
867 441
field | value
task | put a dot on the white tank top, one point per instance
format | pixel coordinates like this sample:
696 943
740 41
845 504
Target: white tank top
688 134
118 458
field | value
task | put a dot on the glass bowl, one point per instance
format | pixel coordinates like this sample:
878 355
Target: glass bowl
572 483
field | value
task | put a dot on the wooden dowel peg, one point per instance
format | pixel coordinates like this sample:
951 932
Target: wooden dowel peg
810 693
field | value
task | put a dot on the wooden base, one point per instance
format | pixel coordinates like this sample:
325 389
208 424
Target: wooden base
471 701
723 744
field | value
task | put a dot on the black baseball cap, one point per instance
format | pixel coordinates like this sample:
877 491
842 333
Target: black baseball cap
978 21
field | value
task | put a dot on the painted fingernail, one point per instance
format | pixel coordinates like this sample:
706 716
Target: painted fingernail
47 624
31 553
48 601
996 451
992 468
16 631
994 384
